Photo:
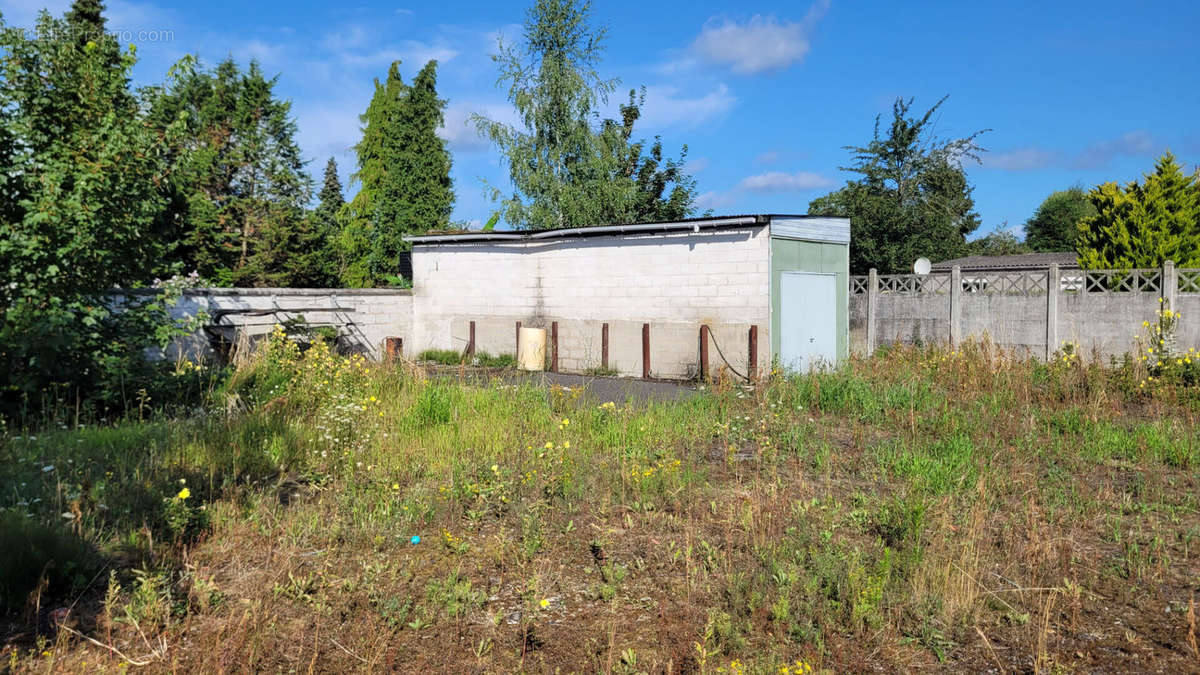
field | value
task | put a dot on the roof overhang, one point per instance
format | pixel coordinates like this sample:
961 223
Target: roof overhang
693 225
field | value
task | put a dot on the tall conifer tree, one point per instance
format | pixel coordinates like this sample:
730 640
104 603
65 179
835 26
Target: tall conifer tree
238 186
1144 224
403 175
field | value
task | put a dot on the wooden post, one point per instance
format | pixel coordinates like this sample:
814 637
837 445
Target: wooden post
393 348
703 352
517 348
752 370
1053 288
471 340
554 346
604 346
645 351
955 306
872 310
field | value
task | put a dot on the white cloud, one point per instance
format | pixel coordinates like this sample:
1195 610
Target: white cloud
777 181
24 12
459 131
330 130
138 16
666 108
768 157
268 55
696 165
714 200
1095 156
758 45
1135 143
1020 159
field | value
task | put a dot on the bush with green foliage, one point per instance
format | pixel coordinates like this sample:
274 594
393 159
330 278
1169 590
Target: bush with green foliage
1144 224
568 171
78 206
1054 227
913 199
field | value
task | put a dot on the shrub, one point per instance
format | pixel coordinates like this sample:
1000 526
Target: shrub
34 551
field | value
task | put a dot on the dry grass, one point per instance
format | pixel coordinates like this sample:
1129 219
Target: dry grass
919 510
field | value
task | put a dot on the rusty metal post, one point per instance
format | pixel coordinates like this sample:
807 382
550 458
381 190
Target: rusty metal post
471 341
517 343
554 346
393 348
604 346
703 352
645 351
752 371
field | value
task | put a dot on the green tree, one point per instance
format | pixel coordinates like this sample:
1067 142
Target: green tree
79 170
238 189
403 175
322 261
912 200
567 170
1144 224
1055 224
1001 242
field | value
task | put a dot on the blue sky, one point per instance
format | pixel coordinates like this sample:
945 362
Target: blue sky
765 94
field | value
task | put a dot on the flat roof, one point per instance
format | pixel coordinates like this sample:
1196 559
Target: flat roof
1018 261
701 223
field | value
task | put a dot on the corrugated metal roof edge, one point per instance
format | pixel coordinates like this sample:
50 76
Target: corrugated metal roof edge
706 222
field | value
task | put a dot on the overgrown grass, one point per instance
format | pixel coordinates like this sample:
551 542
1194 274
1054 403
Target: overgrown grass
449 357
964 510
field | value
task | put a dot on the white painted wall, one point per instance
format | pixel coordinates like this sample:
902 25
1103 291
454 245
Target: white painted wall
377 313
673 281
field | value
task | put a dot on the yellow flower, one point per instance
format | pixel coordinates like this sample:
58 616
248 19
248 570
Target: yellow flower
566 445
549 445
566 421
183 494
544 603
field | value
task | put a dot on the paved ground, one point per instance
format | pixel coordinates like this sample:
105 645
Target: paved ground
600 389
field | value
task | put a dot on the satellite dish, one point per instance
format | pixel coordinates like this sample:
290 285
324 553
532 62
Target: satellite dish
922 266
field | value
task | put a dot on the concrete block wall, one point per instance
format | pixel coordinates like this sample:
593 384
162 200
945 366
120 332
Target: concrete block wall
909 319
1016 322
377 313
675 282
1100 323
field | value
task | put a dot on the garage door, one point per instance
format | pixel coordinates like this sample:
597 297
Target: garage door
808 320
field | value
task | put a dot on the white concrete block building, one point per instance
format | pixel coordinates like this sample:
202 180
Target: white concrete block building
783 278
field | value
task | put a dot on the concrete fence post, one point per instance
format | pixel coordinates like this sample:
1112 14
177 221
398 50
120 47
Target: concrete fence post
955 306
872 310
1170 284
1053 290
